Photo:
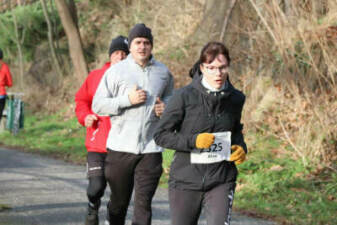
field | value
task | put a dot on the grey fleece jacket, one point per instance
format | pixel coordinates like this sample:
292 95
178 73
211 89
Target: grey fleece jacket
132 127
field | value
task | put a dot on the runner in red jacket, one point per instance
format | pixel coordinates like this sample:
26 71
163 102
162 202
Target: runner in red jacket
97 129
5 80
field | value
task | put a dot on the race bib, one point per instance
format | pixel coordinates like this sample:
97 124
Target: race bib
219 151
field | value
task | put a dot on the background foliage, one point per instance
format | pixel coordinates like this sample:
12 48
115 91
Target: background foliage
32 29
284 57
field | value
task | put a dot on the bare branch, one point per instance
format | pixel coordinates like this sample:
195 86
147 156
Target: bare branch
227 16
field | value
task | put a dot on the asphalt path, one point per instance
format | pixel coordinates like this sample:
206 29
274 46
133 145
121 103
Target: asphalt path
43 191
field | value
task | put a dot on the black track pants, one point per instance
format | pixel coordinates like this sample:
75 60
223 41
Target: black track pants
186 205
124 171
2 106
97 182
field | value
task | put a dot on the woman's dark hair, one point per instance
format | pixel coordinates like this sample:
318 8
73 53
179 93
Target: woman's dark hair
211 50
208 54
195 69
1 54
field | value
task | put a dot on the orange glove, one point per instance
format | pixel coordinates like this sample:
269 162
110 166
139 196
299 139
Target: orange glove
204 140
238 154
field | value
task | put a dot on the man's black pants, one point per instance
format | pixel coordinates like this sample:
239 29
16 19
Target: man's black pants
124 171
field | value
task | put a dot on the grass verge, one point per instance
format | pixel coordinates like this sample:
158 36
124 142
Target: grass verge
51 135
272 183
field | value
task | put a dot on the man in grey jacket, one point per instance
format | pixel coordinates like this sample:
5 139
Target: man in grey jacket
133 93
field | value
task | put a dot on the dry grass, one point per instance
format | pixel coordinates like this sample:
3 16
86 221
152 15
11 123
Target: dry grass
293 93
45 100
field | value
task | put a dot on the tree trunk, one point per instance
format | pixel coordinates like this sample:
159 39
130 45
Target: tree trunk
73 11
19 44
56 63
213 20
227 16
74 39
55 30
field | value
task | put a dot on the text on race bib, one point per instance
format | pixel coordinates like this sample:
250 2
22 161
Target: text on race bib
219 151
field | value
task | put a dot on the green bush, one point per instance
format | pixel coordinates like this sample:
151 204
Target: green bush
32 29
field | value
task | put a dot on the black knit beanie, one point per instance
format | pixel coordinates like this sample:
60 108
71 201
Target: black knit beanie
1 54
140 30
119 43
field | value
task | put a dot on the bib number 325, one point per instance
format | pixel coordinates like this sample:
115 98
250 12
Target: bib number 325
217 152
216 147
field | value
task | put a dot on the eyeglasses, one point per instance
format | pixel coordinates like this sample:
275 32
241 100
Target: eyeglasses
213 70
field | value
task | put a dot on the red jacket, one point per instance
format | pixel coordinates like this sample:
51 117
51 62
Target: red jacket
98 133
5 78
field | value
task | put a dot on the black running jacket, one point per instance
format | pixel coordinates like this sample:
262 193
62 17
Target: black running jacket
193 110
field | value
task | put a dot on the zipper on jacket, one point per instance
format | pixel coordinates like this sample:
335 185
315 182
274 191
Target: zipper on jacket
212 116
142 126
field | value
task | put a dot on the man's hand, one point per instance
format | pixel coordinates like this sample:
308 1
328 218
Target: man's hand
159 107
89 120
137 96
238 154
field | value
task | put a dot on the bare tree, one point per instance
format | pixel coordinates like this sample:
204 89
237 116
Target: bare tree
55 30
74 39
19 42
227 16
213 21
288 7
56 63
73 11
